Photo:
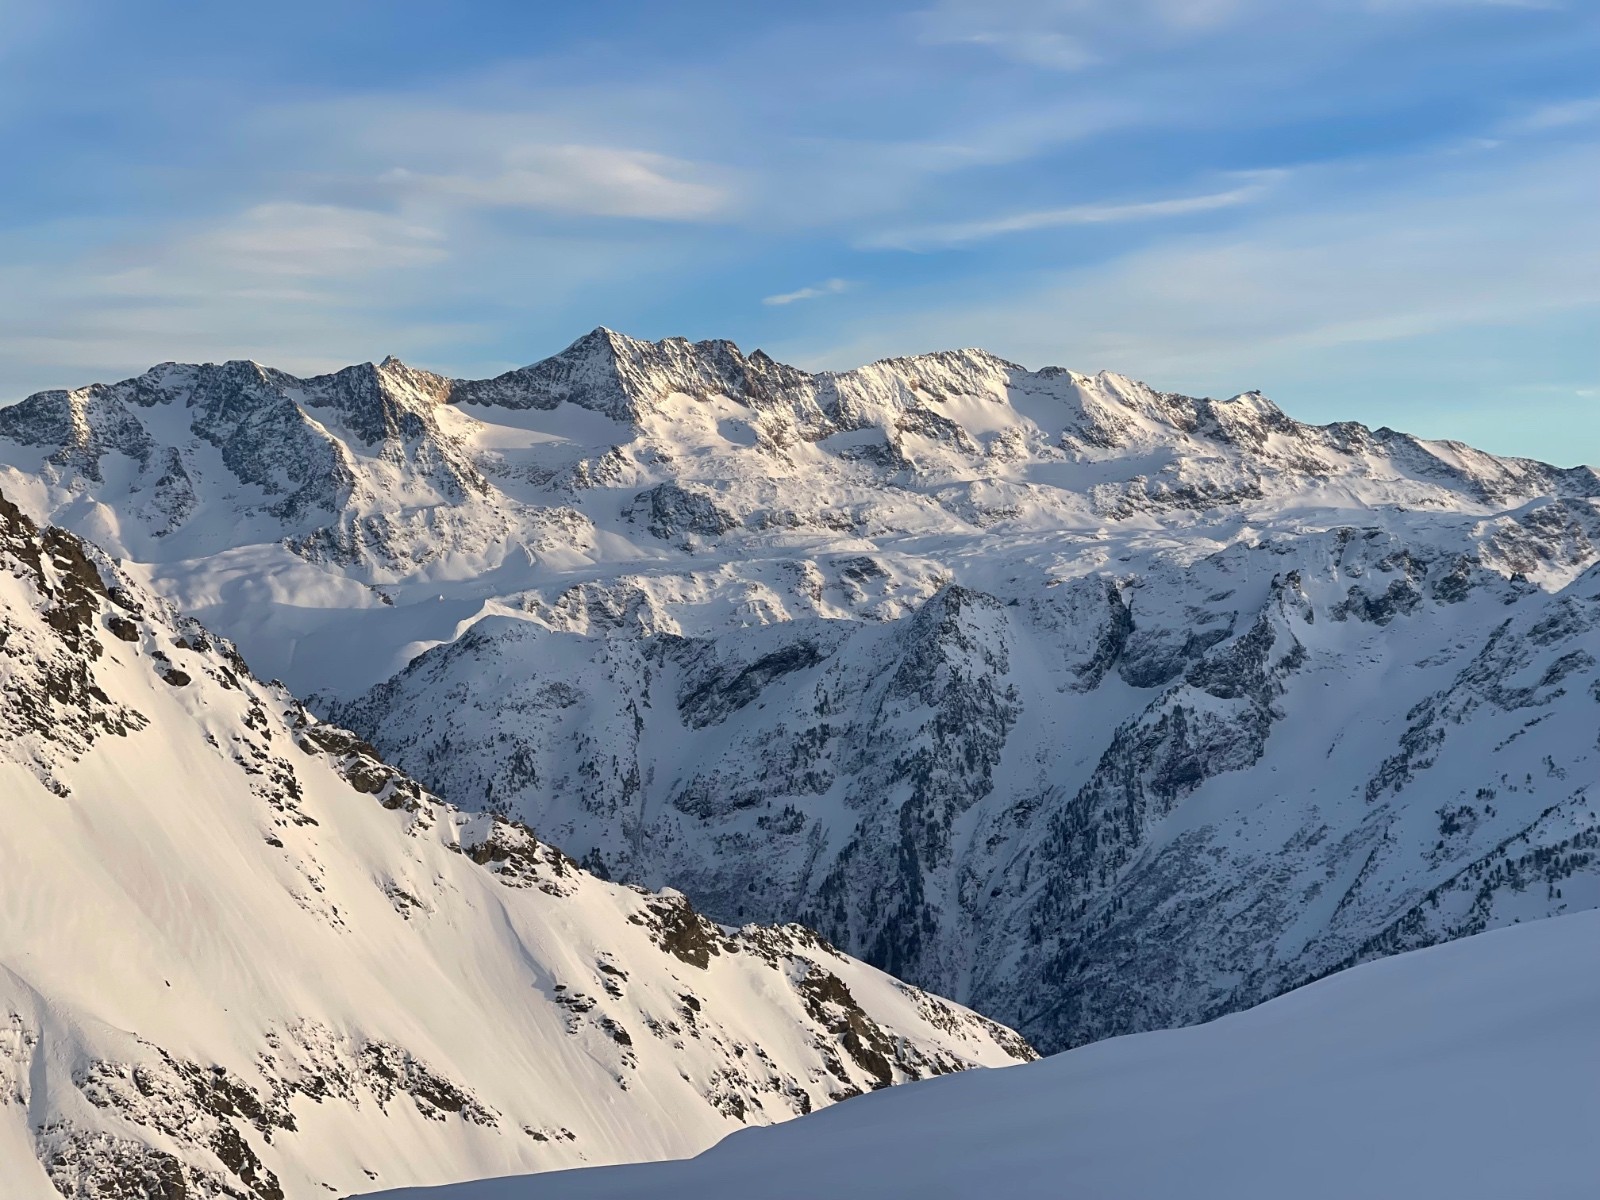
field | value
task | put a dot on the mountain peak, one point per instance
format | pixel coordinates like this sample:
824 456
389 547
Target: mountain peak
625 378
601 337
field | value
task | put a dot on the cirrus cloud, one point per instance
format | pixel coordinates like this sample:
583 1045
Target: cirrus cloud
828 287
960 233
577 180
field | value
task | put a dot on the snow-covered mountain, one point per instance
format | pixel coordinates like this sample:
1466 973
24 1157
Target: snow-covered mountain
1461 1072
243 957
1098 708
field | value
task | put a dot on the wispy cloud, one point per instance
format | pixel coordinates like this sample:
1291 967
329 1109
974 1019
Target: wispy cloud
828 287
1066 35
1037 47
961 233
1547 117
309 241
578 180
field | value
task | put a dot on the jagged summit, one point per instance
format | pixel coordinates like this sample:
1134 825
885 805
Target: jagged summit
620 376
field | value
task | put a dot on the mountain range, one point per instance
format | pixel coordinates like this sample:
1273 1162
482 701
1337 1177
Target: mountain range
1097 708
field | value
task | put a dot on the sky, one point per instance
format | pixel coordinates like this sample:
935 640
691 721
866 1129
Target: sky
1375 210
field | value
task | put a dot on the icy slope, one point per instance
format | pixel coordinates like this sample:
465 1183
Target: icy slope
243 957
1463 1072
1096 707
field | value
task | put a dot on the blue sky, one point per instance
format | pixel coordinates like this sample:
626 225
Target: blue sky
1383 210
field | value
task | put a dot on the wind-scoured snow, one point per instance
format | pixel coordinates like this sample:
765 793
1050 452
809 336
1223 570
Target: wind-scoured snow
1096 707
1460 1072
243 957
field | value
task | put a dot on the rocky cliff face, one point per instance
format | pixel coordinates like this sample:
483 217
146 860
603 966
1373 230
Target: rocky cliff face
1097 707
1073 810
244 957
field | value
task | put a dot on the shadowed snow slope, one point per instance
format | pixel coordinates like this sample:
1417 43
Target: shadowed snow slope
1460 1072
242 957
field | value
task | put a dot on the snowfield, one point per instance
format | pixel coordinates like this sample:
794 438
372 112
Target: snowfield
1459 1072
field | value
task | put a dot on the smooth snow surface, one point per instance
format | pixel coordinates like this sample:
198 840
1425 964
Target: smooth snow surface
1460 1072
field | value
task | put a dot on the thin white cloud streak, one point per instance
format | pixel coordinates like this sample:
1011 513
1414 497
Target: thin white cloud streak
576 180
1548 117
842 182
352 256
962 233
956 20
563 152
312 241
1037 48
828 287
1066 35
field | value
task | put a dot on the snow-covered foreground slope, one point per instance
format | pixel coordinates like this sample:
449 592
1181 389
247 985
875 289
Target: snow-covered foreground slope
1096 707
242 957
1461 1072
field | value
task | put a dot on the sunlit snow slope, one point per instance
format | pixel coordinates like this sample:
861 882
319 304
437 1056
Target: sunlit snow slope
1461 1072
240 956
